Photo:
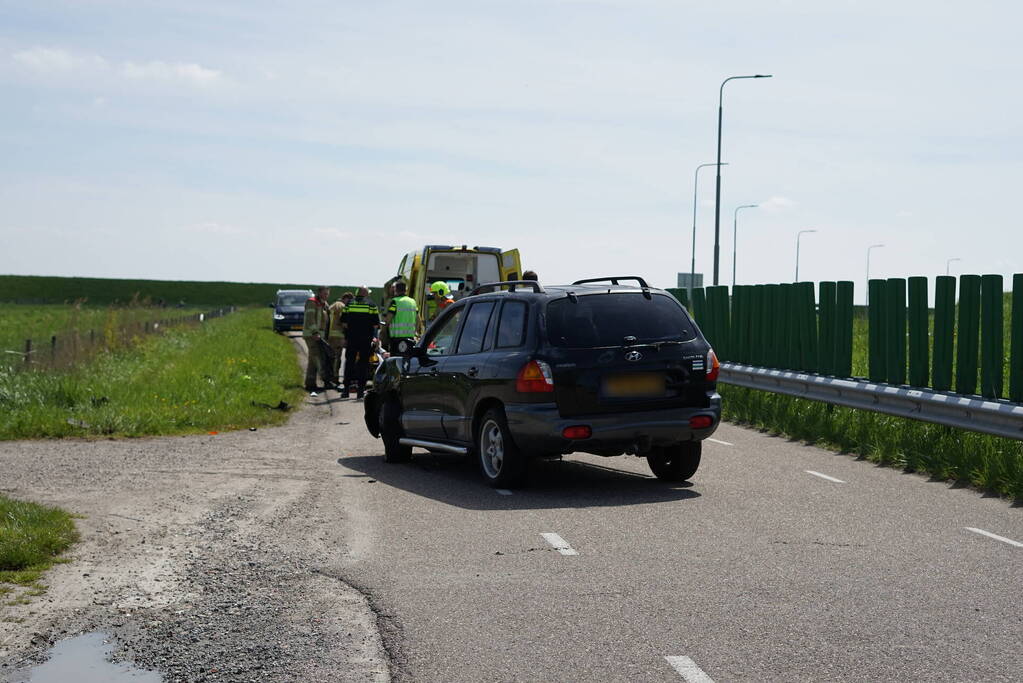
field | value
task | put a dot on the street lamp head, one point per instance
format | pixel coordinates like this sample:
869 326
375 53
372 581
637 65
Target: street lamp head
764 76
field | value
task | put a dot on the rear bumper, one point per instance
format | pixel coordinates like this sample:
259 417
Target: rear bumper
537 428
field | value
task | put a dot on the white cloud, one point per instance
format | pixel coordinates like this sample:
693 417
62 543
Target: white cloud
775 204
333 233
48 60
214 228
192 74
56 60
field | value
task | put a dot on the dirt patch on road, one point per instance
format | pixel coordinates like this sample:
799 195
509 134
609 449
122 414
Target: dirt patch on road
215 557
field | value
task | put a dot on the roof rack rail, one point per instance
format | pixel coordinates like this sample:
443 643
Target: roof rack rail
511 285
613 280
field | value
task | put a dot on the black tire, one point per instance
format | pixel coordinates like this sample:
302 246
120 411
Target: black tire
675 463
501 462
391 432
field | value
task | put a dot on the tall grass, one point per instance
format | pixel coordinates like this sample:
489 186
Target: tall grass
990 463
218 376
40 322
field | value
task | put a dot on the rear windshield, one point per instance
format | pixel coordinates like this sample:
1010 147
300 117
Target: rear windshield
291 299
596 320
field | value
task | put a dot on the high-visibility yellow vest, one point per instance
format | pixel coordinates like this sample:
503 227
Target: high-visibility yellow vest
403 324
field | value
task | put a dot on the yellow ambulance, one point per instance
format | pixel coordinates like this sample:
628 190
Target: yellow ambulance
462 269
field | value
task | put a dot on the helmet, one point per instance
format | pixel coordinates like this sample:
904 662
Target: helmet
440 287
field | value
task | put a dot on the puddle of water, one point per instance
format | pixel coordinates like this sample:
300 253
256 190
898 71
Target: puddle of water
83 659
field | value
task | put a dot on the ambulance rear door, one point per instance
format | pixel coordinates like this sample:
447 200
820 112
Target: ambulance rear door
511 266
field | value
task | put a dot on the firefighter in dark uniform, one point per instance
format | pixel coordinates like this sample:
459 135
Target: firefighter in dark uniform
360 321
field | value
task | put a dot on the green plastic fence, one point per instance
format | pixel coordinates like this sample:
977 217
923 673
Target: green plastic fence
959 345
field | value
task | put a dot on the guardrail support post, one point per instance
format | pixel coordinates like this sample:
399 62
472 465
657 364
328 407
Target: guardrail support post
944 331
896 328
969 331
876 334
919 353
1016 341
826 328
807 327
786 340
843 329
992 373
772 320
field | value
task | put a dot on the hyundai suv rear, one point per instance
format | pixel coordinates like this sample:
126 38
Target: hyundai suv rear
597 366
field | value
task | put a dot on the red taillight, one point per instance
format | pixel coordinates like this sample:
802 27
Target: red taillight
535 377
712 366
700 421
577 432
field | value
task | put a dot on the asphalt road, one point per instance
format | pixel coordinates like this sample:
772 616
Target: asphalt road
758 570
296 553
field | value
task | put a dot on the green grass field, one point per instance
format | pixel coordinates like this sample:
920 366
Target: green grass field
39 322
218 376
103 291
32 538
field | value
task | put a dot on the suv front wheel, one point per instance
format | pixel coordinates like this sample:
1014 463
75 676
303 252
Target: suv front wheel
389 421
675 463
501 462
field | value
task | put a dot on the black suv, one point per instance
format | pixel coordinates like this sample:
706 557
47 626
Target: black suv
517 370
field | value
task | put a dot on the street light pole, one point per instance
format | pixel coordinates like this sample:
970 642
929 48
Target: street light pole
866 291
948 262
735 235
692 270
717 199
799 236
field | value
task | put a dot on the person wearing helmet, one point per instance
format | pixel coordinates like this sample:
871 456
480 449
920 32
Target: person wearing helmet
437 299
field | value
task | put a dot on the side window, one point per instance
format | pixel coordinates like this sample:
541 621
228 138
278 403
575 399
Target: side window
511 330
475 329
442 341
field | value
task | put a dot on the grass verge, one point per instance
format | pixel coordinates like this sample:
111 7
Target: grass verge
32 538
987 462
225 374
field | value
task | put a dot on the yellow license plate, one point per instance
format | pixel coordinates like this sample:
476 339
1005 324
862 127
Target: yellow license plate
296 327
635 385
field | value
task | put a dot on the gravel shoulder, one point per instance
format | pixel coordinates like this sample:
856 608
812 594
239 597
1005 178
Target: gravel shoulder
212 557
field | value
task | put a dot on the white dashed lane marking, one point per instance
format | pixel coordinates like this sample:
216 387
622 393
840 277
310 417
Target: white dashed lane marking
560 544
1003 539
688 670
824 476
723 443
503 492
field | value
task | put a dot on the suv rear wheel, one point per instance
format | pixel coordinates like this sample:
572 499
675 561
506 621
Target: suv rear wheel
675 463
389 421
501 462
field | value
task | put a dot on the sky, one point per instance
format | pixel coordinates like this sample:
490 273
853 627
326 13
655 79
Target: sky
320 141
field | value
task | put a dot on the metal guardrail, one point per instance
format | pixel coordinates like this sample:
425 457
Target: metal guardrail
974 413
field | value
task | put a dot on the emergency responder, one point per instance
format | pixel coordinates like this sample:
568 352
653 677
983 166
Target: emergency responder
437 299
359 321
314 328
401 318
336 338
